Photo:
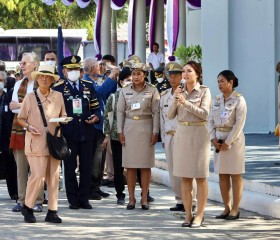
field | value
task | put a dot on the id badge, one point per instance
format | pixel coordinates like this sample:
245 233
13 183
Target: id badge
6 108
135 106
77 106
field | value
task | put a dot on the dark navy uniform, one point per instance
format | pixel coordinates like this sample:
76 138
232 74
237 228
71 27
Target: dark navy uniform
80 137
162 86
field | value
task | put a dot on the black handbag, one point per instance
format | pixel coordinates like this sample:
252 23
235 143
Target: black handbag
57 144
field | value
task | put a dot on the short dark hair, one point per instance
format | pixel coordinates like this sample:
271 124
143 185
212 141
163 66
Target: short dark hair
156 44
229 75
197 68
109 58
50 51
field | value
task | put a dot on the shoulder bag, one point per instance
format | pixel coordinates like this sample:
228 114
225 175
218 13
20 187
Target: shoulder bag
57 144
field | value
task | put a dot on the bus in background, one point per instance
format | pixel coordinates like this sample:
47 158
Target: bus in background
14 42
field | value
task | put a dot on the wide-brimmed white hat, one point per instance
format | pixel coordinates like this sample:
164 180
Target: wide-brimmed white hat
45 70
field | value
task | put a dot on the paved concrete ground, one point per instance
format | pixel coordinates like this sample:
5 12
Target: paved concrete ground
110 221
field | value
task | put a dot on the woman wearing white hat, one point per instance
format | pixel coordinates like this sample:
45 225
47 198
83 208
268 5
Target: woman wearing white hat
42 165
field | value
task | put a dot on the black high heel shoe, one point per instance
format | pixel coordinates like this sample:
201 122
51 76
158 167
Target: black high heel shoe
188 224
145 207
197 225
231 217
130 206
222 216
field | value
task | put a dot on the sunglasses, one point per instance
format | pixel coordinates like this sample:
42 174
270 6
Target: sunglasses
24 63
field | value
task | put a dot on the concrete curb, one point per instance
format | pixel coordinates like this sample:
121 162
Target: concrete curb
257 197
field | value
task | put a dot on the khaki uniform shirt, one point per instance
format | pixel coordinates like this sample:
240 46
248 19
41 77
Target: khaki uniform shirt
196 107
166 125
144 103
53 106
230 113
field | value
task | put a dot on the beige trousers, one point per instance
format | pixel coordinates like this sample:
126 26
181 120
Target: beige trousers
109 166
22 177
43 167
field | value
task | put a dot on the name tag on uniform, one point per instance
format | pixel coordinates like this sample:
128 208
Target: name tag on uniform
6 108
165 105
135 106
77 106
129 93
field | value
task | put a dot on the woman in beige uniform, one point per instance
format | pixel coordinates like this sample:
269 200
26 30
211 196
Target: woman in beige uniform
138 127
226 122
42 164
192 142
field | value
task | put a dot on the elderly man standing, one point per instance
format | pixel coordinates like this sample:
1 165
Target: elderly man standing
79 133
103 90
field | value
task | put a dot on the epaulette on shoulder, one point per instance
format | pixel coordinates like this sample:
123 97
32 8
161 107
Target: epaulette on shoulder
58 83
238 94
203 86
87 81
163 93
151 84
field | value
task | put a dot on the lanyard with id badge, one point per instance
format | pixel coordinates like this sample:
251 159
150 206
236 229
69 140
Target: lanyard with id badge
77 106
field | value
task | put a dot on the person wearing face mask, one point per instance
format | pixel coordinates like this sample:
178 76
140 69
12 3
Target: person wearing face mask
80 134
111 133
161 82
50 58
6 119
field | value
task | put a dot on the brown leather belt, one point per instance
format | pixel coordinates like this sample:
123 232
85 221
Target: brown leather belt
139 117
171 132
193 123
223 129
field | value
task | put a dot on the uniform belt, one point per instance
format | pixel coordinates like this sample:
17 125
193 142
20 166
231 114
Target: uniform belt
223 129
193 123
171 132
139 117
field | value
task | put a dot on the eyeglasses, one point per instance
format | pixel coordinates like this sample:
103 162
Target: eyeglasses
24 63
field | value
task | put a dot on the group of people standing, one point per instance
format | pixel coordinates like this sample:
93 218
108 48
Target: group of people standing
134 115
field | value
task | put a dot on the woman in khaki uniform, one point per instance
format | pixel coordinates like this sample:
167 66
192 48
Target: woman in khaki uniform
226 124
42 165
192 142
138 127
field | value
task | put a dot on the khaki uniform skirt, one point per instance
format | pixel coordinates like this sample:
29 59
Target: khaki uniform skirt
231 161
191 152
138 152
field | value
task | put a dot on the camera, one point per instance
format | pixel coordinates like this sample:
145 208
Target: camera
219 141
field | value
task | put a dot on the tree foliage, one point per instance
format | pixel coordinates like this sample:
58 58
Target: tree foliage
36 14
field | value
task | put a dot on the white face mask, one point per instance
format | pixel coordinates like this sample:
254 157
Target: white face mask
50 63
160 80
73 76
1 85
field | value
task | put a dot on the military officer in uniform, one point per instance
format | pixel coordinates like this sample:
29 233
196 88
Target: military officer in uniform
226 123
138 127
162 82
79 133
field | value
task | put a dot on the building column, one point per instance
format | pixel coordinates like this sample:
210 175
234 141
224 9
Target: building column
182 24
106 28
159 34
140 29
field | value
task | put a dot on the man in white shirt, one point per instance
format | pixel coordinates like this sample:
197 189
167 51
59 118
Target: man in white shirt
155 60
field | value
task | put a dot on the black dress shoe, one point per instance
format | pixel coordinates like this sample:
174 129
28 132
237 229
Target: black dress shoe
102 194
222 216
145 207
74 206
85 206
95 196
52 217
188 224
178 207
150 199
197 225
230 217
28 214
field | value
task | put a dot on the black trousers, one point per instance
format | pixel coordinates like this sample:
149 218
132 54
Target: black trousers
118 168
152 77
10 168
78 192
98 163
